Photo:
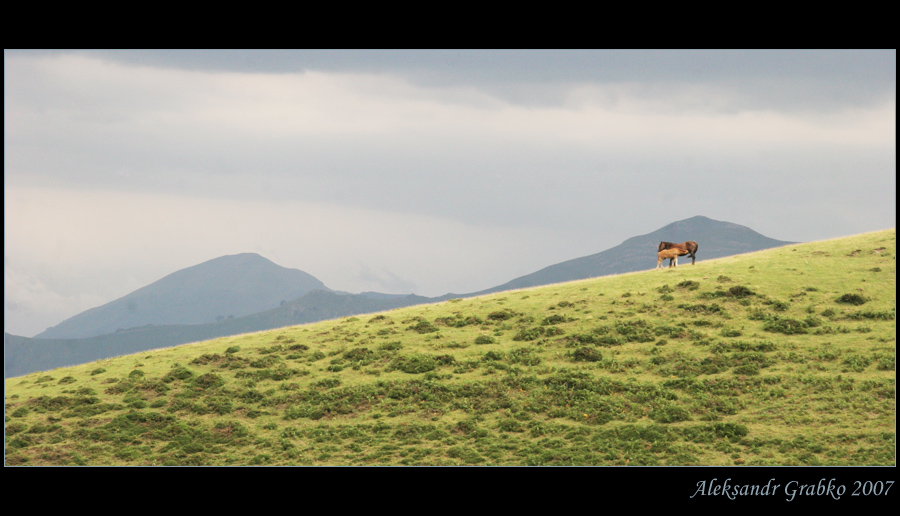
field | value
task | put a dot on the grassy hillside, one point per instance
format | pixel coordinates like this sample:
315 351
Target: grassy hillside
779 357
171 311
23 355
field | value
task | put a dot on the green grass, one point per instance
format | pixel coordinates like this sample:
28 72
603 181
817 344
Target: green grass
780 357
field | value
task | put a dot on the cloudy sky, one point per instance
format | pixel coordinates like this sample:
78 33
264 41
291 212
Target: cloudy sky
422 172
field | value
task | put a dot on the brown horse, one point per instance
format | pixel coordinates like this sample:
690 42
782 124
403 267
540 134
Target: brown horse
672 254
689 247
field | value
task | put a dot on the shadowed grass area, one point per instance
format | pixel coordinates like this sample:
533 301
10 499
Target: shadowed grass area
780 357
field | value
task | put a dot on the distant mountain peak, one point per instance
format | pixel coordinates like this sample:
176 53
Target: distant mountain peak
231 285
715 239
697 222
233 260
241 257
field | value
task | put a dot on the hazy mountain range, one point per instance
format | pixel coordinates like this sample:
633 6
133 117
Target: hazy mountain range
225 287
245 293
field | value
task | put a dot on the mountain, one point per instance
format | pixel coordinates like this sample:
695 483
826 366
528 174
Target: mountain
715 239
247 293
229 286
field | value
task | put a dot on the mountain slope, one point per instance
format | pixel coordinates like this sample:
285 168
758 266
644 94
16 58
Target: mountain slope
715 239
783 357
228 286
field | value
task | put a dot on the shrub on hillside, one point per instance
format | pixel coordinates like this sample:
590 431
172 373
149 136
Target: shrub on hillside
856 363
868 314
635 331
423 326
529 333
584 354
415 364
785 325
740 292
524 356
178 372
701 309
852 299
501 315
208 381
554 319
459 321
493 356
669 414
363 355
886 361
732 431
746 370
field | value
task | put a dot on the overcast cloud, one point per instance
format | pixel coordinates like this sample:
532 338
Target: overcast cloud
422 172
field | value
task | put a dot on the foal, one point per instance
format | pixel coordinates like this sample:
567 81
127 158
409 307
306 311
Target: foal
690 247
671 254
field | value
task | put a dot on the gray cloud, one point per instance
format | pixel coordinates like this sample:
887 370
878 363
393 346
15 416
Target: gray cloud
447 171
780 79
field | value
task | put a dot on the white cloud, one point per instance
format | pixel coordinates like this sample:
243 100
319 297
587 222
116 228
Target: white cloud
30 305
